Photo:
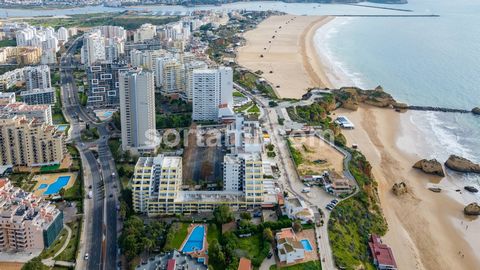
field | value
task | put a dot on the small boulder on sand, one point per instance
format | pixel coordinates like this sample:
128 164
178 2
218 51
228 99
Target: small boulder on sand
430 166
472 209
461 164
399 188
476 110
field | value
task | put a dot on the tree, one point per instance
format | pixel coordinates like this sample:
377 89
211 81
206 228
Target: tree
223 214
121 171
216 256
246 215
297 226
35 264
61 192
268 235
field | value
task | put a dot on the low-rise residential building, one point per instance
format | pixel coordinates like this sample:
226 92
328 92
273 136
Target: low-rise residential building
27 223
39 96
382 254
25 142
298 209
290 249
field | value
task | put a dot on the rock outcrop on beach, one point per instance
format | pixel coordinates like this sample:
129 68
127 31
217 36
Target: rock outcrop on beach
351 97
430 166
476 110
472 209
461 164
399 188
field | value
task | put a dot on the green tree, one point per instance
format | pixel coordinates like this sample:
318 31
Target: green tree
268 235
297 226
216 256
223 214
246 215
61 192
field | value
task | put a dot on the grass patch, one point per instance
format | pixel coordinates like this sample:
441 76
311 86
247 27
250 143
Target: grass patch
70 253
90 134
243 107
175 236
296 155
312 265
254 247
49 168
238 94
56 246
254 109
213 232
353 220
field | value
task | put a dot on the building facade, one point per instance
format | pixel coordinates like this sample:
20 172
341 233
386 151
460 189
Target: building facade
39 96
25 142
103 81
137 110
211 88
27 222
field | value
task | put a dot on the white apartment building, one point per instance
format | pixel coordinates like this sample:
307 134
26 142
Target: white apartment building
211 88
37 77
190 66
62 34
145 32
93 48
39 96
27 223
169 75
156 182
7 98
31 143
137 109
110 31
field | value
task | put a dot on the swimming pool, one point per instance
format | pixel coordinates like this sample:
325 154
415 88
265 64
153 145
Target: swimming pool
42 186
195 240
62 128
306 244
55 187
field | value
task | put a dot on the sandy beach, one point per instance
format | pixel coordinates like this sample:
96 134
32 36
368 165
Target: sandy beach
426 230
286 43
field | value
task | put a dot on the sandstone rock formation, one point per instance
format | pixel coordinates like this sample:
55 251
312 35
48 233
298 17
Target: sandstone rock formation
461 164
472 209
350 97
430 166
476 110
399 188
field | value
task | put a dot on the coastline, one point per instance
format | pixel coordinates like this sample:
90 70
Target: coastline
291 52
426 230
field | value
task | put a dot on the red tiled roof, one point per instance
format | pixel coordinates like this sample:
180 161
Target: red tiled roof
171 264
244 264
381 253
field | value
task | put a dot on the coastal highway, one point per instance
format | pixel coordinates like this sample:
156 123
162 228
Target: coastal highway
99 232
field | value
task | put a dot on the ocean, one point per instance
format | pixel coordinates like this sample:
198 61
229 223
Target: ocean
431 61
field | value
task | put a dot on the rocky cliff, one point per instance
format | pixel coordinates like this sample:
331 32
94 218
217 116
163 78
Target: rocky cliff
430 166
351 97
476 110
461 164
399 188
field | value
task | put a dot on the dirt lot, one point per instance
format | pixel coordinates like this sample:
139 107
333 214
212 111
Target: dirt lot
10 266
202 164
317 156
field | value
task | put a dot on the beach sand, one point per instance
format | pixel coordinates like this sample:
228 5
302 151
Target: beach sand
291 55
426 230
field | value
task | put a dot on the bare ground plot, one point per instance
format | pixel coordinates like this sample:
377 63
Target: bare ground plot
202 164
317 156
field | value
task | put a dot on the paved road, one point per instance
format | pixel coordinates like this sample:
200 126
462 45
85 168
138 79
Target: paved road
99 232
289 179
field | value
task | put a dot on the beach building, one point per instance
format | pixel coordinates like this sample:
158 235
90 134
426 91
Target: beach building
25 142
39 96
344 122
137 110
382 254
290 249
27 223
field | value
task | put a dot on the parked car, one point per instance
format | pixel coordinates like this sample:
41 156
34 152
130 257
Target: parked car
270 254
334 202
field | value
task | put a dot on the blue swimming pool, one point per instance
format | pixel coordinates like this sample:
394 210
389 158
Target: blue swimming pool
306 244
42 186
62 128
195 239
55 187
